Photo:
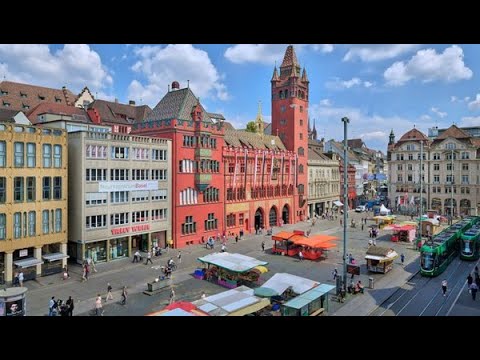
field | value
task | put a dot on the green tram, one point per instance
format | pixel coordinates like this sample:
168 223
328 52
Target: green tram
436 255
470 243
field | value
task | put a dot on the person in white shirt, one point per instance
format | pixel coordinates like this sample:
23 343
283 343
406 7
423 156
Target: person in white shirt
444 287
51 304
20 278
224 248
300 255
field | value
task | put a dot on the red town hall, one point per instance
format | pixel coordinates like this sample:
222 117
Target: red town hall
227 180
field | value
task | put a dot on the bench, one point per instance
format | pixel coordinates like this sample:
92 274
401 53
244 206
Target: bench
319 312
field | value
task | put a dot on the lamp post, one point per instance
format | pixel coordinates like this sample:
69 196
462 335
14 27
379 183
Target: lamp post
345 121
451 188
421 197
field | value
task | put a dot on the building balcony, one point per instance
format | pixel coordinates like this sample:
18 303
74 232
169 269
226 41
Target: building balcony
202 181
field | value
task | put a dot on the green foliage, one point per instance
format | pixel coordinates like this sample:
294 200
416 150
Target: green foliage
251 127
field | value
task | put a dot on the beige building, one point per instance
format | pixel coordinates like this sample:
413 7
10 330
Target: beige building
120 190
450 172
323 180
33 200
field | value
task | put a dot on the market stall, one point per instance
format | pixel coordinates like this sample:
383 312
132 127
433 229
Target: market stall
311 303
179 308
234 302
404 233
230 270
380 259
313 247
383 221
430 227
283 243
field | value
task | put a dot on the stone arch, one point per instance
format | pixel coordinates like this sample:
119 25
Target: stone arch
273 216
465 205
259 218
286 214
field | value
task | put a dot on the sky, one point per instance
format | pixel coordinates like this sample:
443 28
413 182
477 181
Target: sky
378 87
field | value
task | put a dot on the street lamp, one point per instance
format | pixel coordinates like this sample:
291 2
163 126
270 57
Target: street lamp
345 121
451 188
421 197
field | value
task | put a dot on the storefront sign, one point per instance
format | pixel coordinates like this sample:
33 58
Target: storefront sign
128 229
110 186
23 253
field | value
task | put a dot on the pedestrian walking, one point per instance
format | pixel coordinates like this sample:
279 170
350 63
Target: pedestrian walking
109 292
21 278
444 287
341 222
402 258
172 296
124 295
70 305
98 305
300 255
179 257
263 246
51 305
473 290
92 264
469 280
149 258
335 274
224 248
66 275
362 226
236 238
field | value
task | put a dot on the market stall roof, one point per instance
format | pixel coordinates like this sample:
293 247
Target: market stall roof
282 281
307 297
233 262
55 256
398 227
380 253
337 203
315 241
432 221
283 235
24 263
235 302
179 308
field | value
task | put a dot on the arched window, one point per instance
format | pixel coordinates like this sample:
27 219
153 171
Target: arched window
280 94
301 151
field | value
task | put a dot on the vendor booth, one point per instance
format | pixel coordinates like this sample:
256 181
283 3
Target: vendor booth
312 247
311 303
380 259
383 221
430 227
234 302
405 233
230 270
179 308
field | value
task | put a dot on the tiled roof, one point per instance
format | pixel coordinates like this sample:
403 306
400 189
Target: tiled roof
227 125
290 57
177 104
24 97
239 138
378 251
114 112
7 115
454 132
216 116
413 134
315 155
355 143
57 109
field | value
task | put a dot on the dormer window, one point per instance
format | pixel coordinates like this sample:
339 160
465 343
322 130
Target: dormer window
6 104
25 107
23 95
40 97
58 100
3 92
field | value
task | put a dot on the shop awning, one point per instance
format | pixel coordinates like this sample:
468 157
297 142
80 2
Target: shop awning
24 263
55 256
337 203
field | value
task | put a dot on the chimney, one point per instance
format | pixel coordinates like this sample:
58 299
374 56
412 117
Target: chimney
131 102
116 101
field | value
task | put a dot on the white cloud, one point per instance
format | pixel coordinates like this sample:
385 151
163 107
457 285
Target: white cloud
438 112
325 102
368 53
470 121
427 66
338 84
475 104
329 121
255 53
425 117
467 98
74 66
324 48
453 99
163 65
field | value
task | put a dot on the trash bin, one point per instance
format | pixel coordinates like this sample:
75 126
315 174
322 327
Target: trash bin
370 283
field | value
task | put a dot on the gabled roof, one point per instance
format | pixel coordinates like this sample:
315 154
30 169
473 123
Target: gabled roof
114 112
239 138
454 132
178 104
355 143
57 109
7 115
315 155
378 251
20 96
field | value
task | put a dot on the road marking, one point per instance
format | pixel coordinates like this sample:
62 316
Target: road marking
458 295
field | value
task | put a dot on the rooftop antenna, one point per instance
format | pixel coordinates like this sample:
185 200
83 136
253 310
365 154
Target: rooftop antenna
188 84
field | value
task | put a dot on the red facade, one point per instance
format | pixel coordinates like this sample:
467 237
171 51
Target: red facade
197 188
290 91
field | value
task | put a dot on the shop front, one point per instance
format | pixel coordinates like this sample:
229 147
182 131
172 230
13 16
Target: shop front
140 242
25 261
52 256
159 239
118 248
97 251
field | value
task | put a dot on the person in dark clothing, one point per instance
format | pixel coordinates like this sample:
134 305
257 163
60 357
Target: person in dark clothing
473 290
402 258
70 305
469 280
263 246
236 238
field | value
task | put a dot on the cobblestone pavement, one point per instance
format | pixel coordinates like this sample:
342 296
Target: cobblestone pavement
135 276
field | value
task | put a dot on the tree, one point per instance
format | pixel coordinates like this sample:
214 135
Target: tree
251 127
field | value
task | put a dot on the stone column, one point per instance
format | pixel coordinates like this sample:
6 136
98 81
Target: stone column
82 255
38 255
8 266
63 249
108 249
149 241
129 246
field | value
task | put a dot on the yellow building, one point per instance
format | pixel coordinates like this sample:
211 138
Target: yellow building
33 200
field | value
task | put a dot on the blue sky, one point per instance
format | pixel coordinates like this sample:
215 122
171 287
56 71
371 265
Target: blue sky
379 87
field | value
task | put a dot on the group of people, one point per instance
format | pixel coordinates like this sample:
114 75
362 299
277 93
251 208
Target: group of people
18 279
87 265
473 284
60 307
355 288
